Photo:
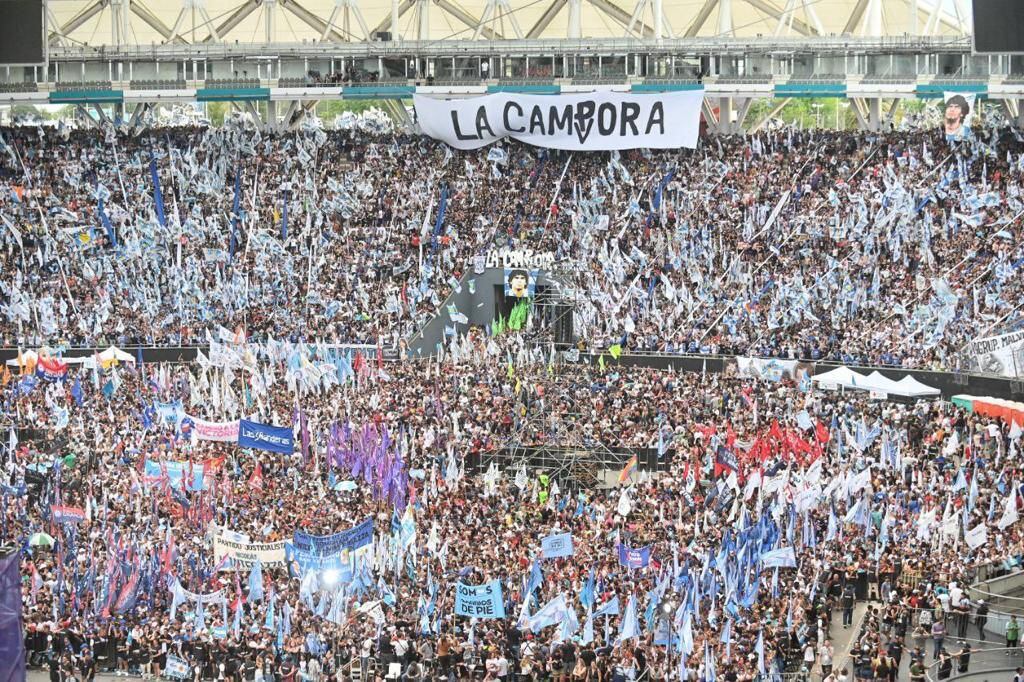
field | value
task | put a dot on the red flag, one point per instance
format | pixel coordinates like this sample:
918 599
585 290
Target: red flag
821 433
256 480
628 470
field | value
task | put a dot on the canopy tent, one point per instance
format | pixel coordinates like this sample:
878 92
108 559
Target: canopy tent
914 388
844 377
107 358
1010 411
840 377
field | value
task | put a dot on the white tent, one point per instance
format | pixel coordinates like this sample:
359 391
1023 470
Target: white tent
844 377
914 388
115 353
840 377
107 357
876 381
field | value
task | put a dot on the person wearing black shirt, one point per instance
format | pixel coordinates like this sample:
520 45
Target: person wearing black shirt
964 659
981 618
87 666
53 662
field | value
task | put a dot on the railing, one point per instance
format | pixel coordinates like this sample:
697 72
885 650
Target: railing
837 45
983 661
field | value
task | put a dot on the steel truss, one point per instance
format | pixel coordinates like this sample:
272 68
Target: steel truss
565 454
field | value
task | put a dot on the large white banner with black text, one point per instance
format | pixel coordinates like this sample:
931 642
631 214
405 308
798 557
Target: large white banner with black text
586 121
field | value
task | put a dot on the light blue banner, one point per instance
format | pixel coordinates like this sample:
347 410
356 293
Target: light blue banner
479 601
176 471
557 546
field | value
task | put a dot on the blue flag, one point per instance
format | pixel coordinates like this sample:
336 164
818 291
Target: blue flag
233 242
256 582
630 627
76 392
587 595
158 197
105 221
284 215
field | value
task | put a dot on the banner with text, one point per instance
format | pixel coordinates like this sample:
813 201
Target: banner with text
557 546
590 121
265 437
479 601
637 557
1002 355
222 432
245 554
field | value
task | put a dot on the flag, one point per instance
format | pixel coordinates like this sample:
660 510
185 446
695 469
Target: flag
256 480
587 595
284 215
233 239
536 579
256 582
628 470
630 626
158 197
76 392
759 650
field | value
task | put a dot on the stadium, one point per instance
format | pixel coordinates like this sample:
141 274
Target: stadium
518 340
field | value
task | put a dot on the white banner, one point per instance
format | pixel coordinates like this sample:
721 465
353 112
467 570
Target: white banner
223 432
1002 355
977 536
590 121
245 554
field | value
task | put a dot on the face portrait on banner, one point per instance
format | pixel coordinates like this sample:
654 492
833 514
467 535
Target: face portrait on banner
956 117
520 283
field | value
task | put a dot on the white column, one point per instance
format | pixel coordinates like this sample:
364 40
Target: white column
725 115
394 19
875 113
269 7
873 23
575 28
658 20
725 17
424 19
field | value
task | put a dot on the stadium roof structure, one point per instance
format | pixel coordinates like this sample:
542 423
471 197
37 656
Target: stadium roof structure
269 22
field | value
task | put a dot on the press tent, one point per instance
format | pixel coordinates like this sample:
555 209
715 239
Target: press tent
846 378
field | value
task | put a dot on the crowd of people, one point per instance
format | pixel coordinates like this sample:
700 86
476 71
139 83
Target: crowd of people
773 507
867 248
298 504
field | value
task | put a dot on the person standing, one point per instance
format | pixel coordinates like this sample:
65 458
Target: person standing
1012 634
938 636
825 654
847 604
981 618
964 659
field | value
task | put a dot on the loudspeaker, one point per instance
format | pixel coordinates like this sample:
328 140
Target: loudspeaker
563 324
382 36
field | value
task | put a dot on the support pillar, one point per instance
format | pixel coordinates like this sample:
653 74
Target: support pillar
271 114
725 115
875 114
423 17
269 13
574 31
725 17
